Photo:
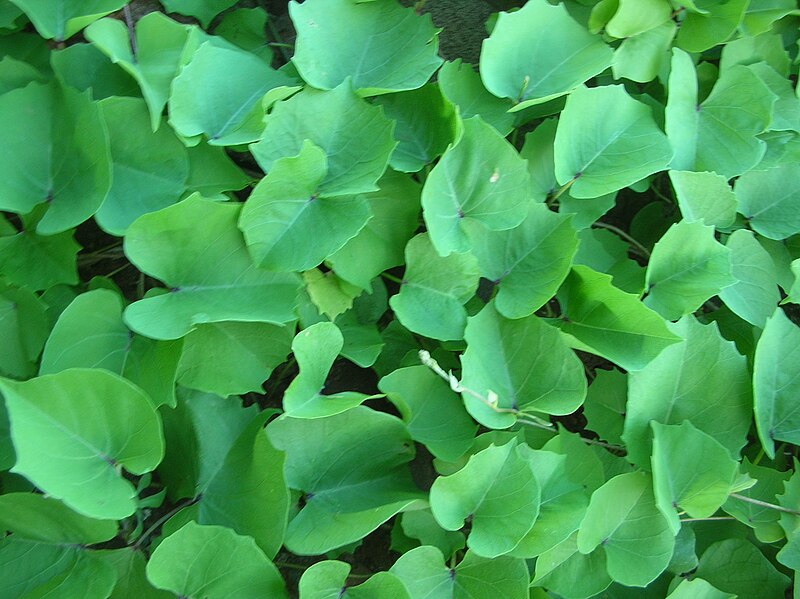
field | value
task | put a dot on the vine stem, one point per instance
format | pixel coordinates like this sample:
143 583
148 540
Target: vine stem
710 519
491 402
390 277
626 236
562 189
157 524
126 11
771 506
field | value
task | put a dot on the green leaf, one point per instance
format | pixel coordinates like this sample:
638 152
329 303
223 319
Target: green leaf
500 357
720 135
699 491
315 349
33 570
760 16
331 295
204 11
605 141
355 136
702 379
566 571
200 432
774 382
462 86
230 111
131 579
425 124
212 172
610 322
425 575
380 46
89 333
351 468
24 326
605 404
737 566
248 493
622 520
328 580
528 263
16 74
701 31
604 251
38 261
149 169
434 290
289 225
481 177
641 57
433 413
159 55
755 294
84 67
765 484
688 266
77 459
380 244
246 28
40 518
498 490
769 200
61 19
229 358
420 524
196 559
634 17
168 245
698 588
539 53
704 197
563 505
60 158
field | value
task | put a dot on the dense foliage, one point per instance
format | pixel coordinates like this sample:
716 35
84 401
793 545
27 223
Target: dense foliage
290 305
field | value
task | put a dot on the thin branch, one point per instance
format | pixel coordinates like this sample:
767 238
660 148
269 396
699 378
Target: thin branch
626 236
561 190
278 40
771 506
491 402
392 278
158 523
711 519
126 10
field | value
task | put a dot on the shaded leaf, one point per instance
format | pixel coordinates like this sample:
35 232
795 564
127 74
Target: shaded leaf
382 48
539 53
167 245
481 177
501 357
605 141
74 458
702 379
289 225
196 559
610 322
622 519
434 290
355 136
528 262
687 267
498 491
